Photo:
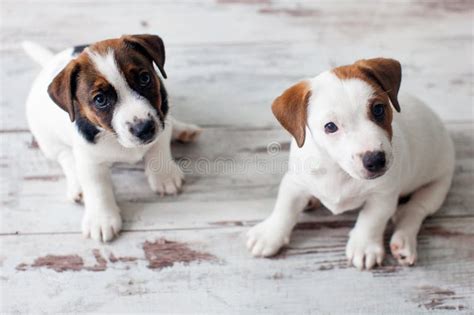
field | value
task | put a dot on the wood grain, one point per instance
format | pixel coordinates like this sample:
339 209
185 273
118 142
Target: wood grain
227 60
311 274
257 51
225 181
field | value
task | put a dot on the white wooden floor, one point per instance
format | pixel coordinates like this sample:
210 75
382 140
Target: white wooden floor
226 61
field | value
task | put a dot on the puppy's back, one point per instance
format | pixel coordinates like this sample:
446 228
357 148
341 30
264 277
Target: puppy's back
49 124
428 151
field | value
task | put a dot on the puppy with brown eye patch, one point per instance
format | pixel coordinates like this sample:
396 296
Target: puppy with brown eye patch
356 145
102 103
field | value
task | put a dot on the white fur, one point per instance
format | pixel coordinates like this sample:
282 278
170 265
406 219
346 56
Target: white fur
420 162
87 166
37 52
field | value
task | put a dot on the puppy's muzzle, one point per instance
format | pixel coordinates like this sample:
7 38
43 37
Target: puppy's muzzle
374 162
144 130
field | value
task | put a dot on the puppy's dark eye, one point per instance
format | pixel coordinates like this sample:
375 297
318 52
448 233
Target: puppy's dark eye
330 127
378 111
144 78
100 100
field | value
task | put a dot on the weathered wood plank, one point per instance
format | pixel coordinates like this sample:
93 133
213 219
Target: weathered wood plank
227 60
211 272
257 51
295 20
234 179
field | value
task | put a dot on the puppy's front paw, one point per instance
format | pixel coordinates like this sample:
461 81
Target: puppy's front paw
266 238
167 181
363 251
100 225
403 247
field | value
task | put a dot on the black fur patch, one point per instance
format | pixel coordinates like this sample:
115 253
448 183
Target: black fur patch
86 129
78 49
164 98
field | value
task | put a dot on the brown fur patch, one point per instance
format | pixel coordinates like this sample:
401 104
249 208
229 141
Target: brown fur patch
188 136
61 89
104 46
387 73
386 122
290 109
384 76
132 63
90 82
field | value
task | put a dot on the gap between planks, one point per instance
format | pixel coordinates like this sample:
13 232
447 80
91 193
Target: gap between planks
335 220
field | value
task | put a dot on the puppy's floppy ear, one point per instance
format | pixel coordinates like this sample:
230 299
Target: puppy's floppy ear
150 45
290 109
385 72
62 88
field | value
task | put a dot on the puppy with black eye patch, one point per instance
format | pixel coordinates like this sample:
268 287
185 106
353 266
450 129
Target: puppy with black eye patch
357 145
97 104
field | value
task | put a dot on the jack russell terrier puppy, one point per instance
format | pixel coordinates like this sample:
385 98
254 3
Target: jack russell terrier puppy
351 150
95 105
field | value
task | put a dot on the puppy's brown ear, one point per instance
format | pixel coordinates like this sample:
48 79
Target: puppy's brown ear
385 72
290 109
150 45
62 88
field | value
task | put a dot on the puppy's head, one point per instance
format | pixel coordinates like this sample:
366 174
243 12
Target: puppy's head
348 112
112 86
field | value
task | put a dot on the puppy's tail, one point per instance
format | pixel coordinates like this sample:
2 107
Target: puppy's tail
37 52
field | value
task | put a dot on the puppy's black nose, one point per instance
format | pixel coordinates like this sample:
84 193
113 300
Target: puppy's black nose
144 130
374 161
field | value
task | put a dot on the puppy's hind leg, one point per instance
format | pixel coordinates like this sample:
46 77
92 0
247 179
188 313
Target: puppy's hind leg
184 132
409 217
67 162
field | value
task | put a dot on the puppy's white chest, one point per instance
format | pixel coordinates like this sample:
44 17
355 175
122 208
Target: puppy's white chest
338 192
129 155
342 204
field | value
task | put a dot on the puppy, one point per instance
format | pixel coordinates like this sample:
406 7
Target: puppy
95 105
352 149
